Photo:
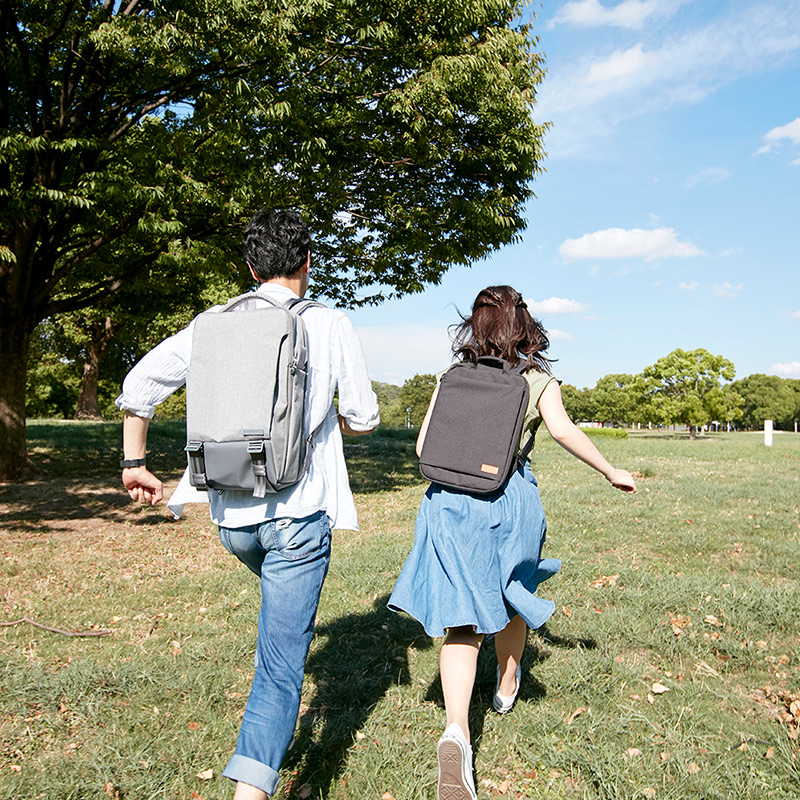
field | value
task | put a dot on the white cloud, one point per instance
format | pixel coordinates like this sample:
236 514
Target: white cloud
796 314
726 289
628 14
589 97
618 66
559 336
776 136
633 243
689 287
708 176
556 305
787 369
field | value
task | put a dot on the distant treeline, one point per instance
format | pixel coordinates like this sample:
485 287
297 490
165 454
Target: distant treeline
692 388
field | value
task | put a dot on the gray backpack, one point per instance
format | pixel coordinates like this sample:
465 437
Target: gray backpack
245 396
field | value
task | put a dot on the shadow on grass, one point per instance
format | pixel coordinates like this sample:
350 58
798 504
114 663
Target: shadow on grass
365 654
56 505
565 641
88 449
382 461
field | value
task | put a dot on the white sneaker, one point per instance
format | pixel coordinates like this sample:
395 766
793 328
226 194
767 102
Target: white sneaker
455 766
501 703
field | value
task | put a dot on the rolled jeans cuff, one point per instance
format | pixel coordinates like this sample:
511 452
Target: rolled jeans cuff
253 773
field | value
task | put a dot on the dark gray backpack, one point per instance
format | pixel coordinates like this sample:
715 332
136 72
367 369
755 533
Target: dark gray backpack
475 426
246 396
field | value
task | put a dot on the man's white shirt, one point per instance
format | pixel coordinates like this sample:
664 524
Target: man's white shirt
335 362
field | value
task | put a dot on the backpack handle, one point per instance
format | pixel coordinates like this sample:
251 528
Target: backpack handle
494 361
502 364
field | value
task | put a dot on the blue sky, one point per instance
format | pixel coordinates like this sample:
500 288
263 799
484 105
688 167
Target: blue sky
669 212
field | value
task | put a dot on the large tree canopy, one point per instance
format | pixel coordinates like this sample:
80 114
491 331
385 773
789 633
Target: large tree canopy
686 386
134 133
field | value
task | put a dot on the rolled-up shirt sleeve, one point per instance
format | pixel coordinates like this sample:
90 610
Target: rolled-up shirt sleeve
157 375
357 402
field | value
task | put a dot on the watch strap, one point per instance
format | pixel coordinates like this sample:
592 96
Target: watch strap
128 463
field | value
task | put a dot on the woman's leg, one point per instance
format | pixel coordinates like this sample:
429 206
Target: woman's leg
457 665
509 644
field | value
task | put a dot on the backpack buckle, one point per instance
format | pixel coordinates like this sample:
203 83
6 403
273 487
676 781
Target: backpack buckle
197 464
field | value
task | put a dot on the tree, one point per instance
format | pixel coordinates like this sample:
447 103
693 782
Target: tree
578 403
766 397
613 400
135 133
685 387
392 414
415 394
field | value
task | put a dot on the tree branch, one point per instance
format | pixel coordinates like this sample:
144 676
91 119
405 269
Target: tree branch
54 630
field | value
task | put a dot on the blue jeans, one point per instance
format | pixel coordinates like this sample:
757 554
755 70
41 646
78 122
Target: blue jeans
291 557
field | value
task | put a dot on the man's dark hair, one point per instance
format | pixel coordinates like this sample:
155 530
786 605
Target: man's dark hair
276 243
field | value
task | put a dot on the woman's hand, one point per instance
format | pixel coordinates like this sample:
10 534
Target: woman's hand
622 479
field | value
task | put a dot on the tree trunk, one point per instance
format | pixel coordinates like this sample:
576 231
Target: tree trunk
102 332
14 342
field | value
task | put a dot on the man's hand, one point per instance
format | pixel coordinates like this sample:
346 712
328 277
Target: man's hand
142 485
348 431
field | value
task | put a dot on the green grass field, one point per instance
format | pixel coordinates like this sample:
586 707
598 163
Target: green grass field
670 669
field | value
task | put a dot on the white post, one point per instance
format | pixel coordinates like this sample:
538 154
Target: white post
768 432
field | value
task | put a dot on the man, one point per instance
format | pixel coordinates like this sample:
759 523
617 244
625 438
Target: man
284 538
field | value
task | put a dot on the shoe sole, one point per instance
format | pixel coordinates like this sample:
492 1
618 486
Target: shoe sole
452 785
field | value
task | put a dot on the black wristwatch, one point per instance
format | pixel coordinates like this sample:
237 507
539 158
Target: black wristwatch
127 463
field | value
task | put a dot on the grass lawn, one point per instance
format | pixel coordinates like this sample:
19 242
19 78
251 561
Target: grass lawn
669 670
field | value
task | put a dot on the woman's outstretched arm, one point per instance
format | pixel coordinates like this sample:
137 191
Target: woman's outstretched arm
575 441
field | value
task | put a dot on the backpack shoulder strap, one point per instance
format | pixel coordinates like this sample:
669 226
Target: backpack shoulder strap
303 304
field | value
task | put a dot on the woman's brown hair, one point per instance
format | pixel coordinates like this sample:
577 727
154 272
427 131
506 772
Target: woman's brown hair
501 325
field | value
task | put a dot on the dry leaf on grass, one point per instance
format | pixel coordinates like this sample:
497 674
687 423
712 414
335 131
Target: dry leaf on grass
206 774
575 714
304 791
632 752
659 688
649 792
712 620
770 753
679 623
605 580
693 768
387 796
503 787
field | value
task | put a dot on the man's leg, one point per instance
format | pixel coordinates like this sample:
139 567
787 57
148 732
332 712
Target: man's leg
292 573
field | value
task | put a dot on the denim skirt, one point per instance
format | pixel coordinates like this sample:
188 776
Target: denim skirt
476 560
